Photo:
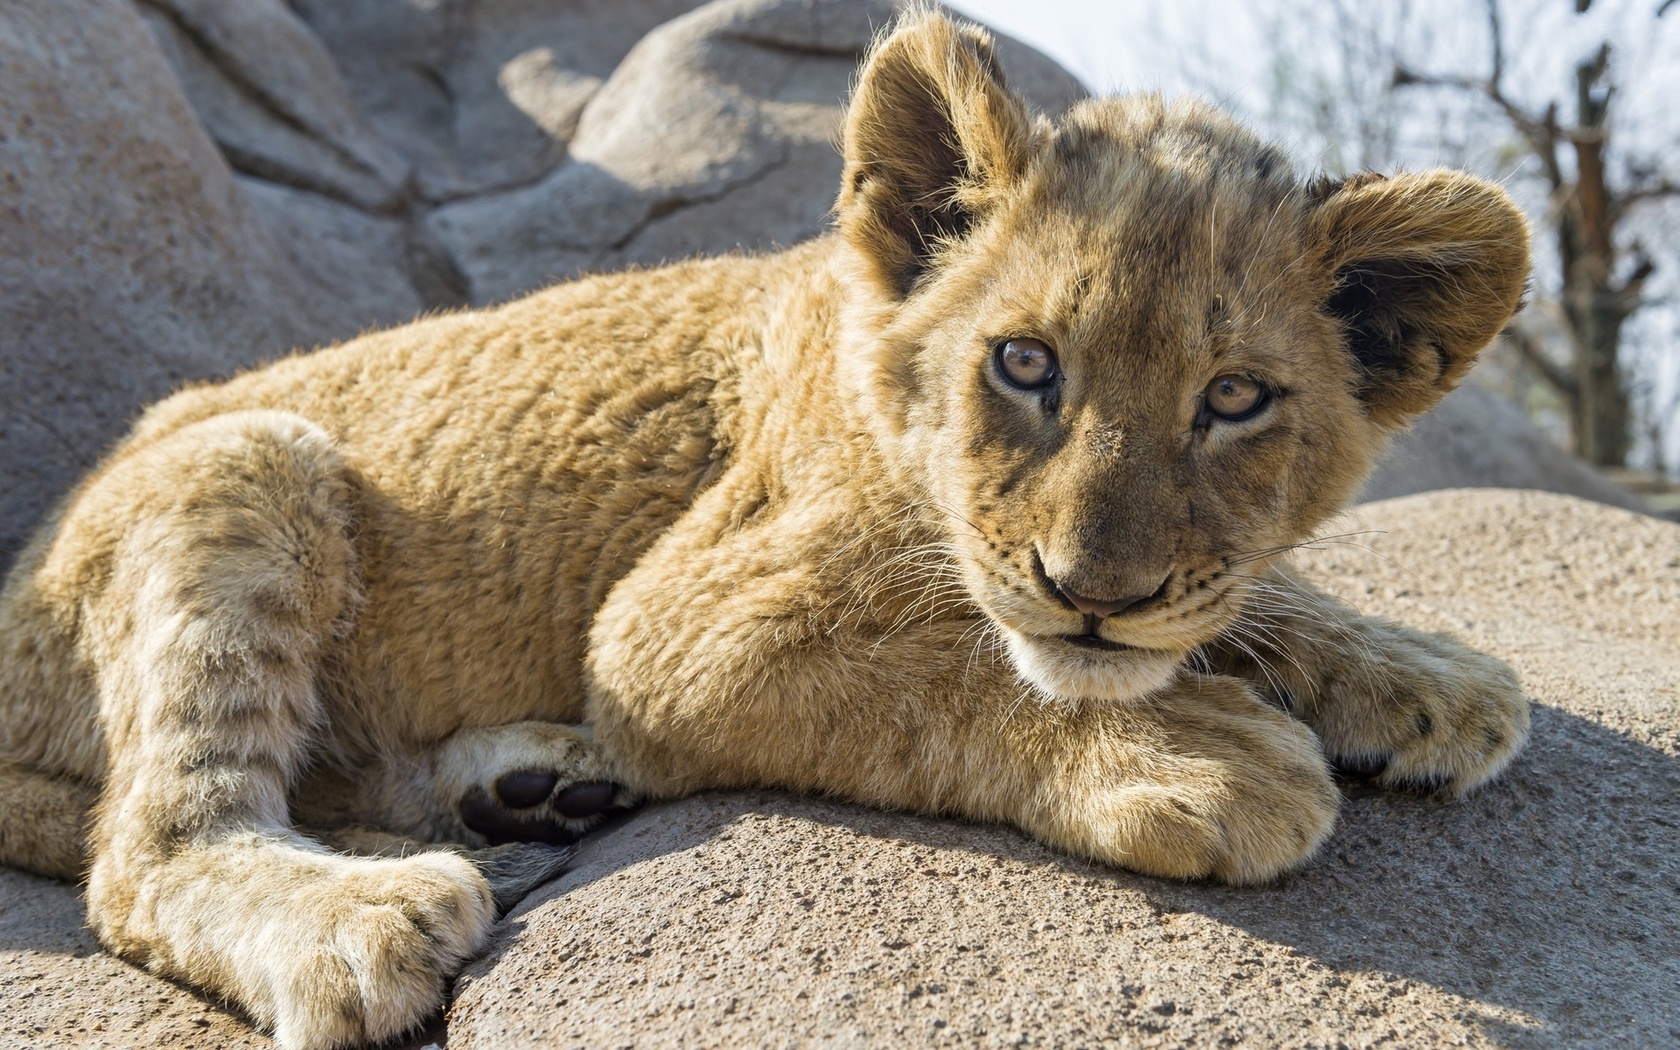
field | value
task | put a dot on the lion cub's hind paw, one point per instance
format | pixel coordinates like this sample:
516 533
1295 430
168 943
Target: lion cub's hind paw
527 782
515 869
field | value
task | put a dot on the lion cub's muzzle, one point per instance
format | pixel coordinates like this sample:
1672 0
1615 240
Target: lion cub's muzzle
1073 653
1096 610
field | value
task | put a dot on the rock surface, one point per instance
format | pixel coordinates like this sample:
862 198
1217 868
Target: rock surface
715 132
57 989
1475 437
480 96
131 258
270 95
1539 913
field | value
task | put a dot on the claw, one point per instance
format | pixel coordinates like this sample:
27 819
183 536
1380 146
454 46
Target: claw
1427 784
1360 767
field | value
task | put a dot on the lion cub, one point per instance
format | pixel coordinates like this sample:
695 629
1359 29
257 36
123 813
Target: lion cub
976 506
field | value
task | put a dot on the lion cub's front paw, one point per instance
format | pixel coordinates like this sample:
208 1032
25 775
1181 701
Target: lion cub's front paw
1186 833
1221 786
529 782
366 955
1422 713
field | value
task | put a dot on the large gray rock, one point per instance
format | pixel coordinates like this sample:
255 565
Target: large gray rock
131 258
715 132
271 97
485 95
1475 437
1539 913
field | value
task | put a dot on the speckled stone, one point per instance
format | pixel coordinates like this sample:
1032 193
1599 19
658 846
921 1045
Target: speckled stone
1539 913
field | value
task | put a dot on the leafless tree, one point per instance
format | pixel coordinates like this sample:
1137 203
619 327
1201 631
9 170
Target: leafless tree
1593 192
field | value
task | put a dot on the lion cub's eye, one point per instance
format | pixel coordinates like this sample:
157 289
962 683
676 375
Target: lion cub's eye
1026 363
1234 398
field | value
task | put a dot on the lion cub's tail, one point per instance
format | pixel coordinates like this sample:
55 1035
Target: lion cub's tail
43 821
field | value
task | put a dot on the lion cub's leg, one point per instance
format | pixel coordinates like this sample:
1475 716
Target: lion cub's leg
230 572
1410 709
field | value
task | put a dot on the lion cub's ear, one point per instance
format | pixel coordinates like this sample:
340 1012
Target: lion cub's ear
1428 267
932 137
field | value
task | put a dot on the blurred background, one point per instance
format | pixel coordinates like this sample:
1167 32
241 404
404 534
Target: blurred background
1573 105
188 187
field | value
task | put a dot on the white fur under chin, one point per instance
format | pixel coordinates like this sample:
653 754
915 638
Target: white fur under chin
1074 674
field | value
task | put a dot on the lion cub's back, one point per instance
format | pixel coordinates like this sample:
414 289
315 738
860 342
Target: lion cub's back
510 464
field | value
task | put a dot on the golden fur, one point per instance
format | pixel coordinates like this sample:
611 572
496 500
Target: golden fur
774 521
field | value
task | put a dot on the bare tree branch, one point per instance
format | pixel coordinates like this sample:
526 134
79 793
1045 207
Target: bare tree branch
1657 191
1498 35
1529 348
1628 294
1542 133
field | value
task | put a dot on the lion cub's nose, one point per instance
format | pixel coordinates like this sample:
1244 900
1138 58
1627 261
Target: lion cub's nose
1100 608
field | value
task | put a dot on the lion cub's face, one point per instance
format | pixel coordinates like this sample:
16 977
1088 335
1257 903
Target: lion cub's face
1130 396
1130 356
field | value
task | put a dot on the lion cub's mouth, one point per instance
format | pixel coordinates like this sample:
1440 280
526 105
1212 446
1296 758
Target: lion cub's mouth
1092 641
1088 667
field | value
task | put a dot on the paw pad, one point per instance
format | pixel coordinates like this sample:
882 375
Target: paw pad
526 788
524 806
585 800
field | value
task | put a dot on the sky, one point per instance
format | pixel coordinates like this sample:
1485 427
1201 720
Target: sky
1115 45
1226 49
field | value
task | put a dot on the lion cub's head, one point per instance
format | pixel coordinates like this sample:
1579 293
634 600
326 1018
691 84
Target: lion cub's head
1129 356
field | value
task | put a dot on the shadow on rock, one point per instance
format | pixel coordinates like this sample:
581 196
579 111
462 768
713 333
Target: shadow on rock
1537 913
43 915
1551 892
